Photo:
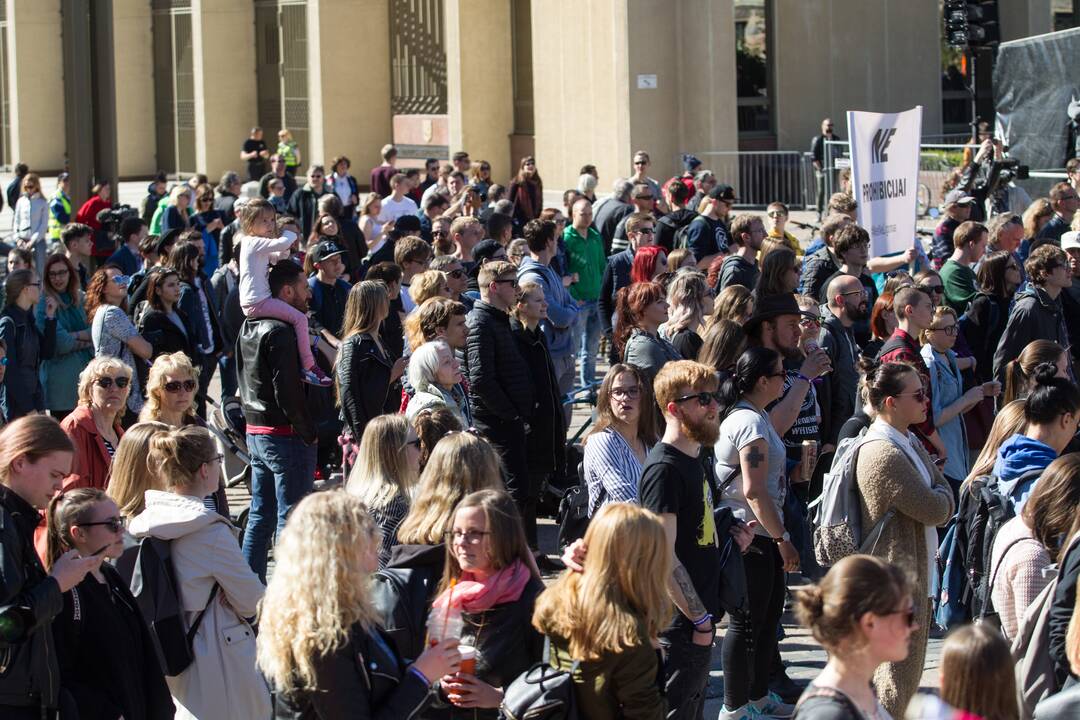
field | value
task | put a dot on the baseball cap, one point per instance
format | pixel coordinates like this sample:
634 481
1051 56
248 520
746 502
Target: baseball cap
690 162
723 192
325 250
1070 240
485 250
958 197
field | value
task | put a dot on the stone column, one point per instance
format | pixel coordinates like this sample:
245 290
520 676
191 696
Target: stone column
36 84
223 46
348 82
136 144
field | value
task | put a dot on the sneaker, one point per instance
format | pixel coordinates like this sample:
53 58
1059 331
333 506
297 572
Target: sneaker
772 706
746 712
784 687
315 376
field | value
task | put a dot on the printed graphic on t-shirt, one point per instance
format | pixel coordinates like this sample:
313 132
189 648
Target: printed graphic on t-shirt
707 534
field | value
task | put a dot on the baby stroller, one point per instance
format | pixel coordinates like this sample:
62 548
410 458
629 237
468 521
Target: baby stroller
227 424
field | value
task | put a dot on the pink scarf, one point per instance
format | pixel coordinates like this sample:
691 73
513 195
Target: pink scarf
473 596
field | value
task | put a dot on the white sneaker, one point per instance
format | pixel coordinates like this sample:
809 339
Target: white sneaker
746 712
771 705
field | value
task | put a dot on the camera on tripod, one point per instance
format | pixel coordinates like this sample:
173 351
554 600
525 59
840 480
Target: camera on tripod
111 218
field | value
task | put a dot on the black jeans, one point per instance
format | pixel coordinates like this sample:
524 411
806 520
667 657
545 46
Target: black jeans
508 439
751 638
686 671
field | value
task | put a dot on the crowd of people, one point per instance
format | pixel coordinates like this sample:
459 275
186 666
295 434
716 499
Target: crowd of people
405 360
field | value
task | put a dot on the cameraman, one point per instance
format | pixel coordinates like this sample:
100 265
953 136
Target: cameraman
35 457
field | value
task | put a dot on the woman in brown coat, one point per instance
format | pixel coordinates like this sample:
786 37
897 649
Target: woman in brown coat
895 474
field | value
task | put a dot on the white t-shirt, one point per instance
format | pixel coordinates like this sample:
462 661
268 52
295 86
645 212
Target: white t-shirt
256 256
742 426
393 209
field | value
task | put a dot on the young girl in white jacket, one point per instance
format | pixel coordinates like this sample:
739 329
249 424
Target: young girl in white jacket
222 682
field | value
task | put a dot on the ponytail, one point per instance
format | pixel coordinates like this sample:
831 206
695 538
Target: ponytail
754 364
1015 382
176 455
1050 397
66 510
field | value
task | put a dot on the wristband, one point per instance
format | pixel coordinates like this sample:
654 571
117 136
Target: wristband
422 676
800 376
707 617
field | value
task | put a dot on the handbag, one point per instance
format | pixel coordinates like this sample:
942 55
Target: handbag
541 692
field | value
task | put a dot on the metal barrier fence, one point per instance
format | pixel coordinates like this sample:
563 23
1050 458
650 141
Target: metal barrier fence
762 177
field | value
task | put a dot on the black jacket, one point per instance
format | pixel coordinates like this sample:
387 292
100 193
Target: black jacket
32 675
547 434
268 369
224 205
304 206
191 302
818 267
27 346
1061 612
225 285
163 334
226 247
107 658
1034 316
616 277
986 319
499 383
506 645
839 343
1070 308
363 379
669 224
361 680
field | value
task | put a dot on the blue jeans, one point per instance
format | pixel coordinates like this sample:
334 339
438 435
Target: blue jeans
587 330
229 384
282 474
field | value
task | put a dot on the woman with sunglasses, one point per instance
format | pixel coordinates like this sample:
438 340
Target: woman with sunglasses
112 331
385 473
212 578
751 475
27 344
73 343
895 475
210 222
32 219
162 323
948 401
930 283
106 655
94 426
178 210
862 614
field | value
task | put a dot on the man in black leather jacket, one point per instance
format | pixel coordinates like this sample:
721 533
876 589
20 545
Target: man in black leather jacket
280 432
499 387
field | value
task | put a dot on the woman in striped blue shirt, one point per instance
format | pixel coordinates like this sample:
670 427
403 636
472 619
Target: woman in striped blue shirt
624 432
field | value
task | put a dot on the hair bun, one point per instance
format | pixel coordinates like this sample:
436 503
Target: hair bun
809 604
1045 373
867 366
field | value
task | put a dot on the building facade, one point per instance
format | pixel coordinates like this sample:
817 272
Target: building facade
568 81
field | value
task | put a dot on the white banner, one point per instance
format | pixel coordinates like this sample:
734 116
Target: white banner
885 176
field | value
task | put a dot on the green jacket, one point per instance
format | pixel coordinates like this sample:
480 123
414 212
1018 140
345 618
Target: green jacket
587 260
60 375
622 685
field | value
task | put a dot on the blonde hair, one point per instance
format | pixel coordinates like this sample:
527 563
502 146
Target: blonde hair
98 367
686 296
319 588
1008 422
382 471
427 285
1072 639
939 312
677 257
461 463
130 476
732 304
178 190
367 305
32 437
620 601
176 455
523 290
176 363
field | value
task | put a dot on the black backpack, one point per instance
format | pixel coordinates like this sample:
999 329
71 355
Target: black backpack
541 692
678 228
153 584
400 596
573 517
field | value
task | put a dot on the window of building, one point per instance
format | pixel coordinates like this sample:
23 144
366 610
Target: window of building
417 57
281 70
174 86
753 69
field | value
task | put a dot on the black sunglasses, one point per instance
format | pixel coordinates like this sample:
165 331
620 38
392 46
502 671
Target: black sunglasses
456 274
703 398
939 289
107 382
114 524
176 386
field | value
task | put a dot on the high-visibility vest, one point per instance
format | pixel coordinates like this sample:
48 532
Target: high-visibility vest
55 226
287 151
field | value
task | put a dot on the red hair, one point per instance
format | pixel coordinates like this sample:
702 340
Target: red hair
882 306
643 268
630 303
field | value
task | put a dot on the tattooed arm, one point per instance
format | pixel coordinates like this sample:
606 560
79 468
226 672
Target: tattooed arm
754 462
680 586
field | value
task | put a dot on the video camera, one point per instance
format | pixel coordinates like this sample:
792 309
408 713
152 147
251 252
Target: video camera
15 622
111 218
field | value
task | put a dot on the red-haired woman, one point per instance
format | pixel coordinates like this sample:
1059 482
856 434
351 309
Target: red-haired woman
641 309
649 261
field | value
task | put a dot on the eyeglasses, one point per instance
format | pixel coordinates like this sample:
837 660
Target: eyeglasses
33 284
645 197
703 398
938 289
214 459
114 524
777 214
919 395
415 442
630 393
105 382
908 615
456 274
58 273
175 386
641 162
646 231
468 537
3 361
808 320
439 233
949 330
511 281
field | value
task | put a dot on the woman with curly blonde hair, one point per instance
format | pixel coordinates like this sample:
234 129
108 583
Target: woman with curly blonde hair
319 644
428 284
608 616
170 391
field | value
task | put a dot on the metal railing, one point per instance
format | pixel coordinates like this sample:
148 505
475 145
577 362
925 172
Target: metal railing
764 176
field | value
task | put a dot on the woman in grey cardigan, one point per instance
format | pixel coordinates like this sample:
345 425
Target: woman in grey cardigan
640 310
